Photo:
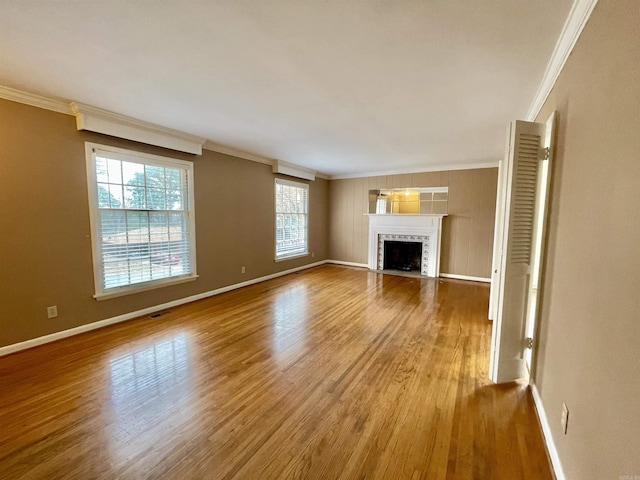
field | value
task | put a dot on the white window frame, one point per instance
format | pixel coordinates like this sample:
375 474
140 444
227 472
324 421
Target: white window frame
91 151
305 186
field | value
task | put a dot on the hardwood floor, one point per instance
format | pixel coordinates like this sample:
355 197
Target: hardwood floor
334 373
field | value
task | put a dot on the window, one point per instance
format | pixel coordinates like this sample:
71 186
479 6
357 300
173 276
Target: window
142 224
292 207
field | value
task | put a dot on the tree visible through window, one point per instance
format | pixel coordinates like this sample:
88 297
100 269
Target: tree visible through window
142 222
292 207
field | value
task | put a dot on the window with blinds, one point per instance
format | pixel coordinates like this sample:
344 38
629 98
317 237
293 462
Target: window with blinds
143 230
292 212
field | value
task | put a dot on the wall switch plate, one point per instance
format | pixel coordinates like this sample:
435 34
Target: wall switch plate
52 312
565 418
243 270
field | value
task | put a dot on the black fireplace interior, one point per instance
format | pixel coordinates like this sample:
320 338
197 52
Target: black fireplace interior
405 256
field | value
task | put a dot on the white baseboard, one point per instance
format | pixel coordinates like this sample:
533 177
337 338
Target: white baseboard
445 275
466 277
546 431
34 342
349 264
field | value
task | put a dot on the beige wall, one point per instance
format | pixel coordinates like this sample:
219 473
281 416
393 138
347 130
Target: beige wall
590 327
45 248
467 237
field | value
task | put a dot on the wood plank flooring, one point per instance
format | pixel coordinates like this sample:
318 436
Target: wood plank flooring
332 373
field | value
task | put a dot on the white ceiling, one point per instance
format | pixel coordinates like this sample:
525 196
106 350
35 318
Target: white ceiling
339 86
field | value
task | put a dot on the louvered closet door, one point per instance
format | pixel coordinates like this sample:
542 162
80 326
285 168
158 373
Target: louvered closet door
522 162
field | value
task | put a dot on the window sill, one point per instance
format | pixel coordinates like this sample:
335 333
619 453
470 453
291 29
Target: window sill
121 292
290 257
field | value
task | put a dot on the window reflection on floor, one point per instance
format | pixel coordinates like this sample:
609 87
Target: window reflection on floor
290 317
147 384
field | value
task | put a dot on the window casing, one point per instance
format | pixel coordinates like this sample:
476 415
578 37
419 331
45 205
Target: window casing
292 218
142 220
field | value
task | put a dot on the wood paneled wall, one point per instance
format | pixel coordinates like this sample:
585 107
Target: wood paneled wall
467 238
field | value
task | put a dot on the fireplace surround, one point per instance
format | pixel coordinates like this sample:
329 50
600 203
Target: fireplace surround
425 229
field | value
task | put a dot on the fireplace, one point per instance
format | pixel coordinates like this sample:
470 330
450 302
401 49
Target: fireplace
422 232
404 256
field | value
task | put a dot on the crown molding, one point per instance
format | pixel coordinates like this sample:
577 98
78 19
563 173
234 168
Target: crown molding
35 100
424 169
117 125
577 19
234 152
110 123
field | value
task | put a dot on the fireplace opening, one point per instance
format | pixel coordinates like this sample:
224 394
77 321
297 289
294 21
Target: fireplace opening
405 256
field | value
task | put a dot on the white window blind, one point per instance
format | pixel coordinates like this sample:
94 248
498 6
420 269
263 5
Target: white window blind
292 211
143 231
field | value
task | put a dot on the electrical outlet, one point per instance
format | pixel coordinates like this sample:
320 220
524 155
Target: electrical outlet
313 254
243 270
52 312
565 417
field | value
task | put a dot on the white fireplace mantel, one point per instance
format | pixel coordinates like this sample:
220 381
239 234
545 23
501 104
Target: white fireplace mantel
428 226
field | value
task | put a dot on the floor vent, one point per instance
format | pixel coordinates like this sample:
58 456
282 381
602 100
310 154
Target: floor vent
159 314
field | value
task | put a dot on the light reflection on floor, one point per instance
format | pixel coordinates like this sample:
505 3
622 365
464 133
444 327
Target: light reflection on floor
146 385
290 317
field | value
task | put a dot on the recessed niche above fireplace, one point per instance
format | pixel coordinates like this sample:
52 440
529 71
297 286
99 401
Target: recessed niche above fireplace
402 201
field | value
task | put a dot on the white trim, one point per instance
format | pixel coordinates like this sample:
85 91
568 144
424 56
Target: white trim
91 151
115 124
577 19
422 225
291 257
498 230
234 152
35 100
284 168
348 264
294 184
34 342
548 437
129 155
425 168
146 286
130 124
110 123
466 277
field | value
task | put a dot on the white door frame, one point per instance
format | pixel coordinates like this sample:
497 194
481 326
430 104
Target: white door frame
496 259
540 244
